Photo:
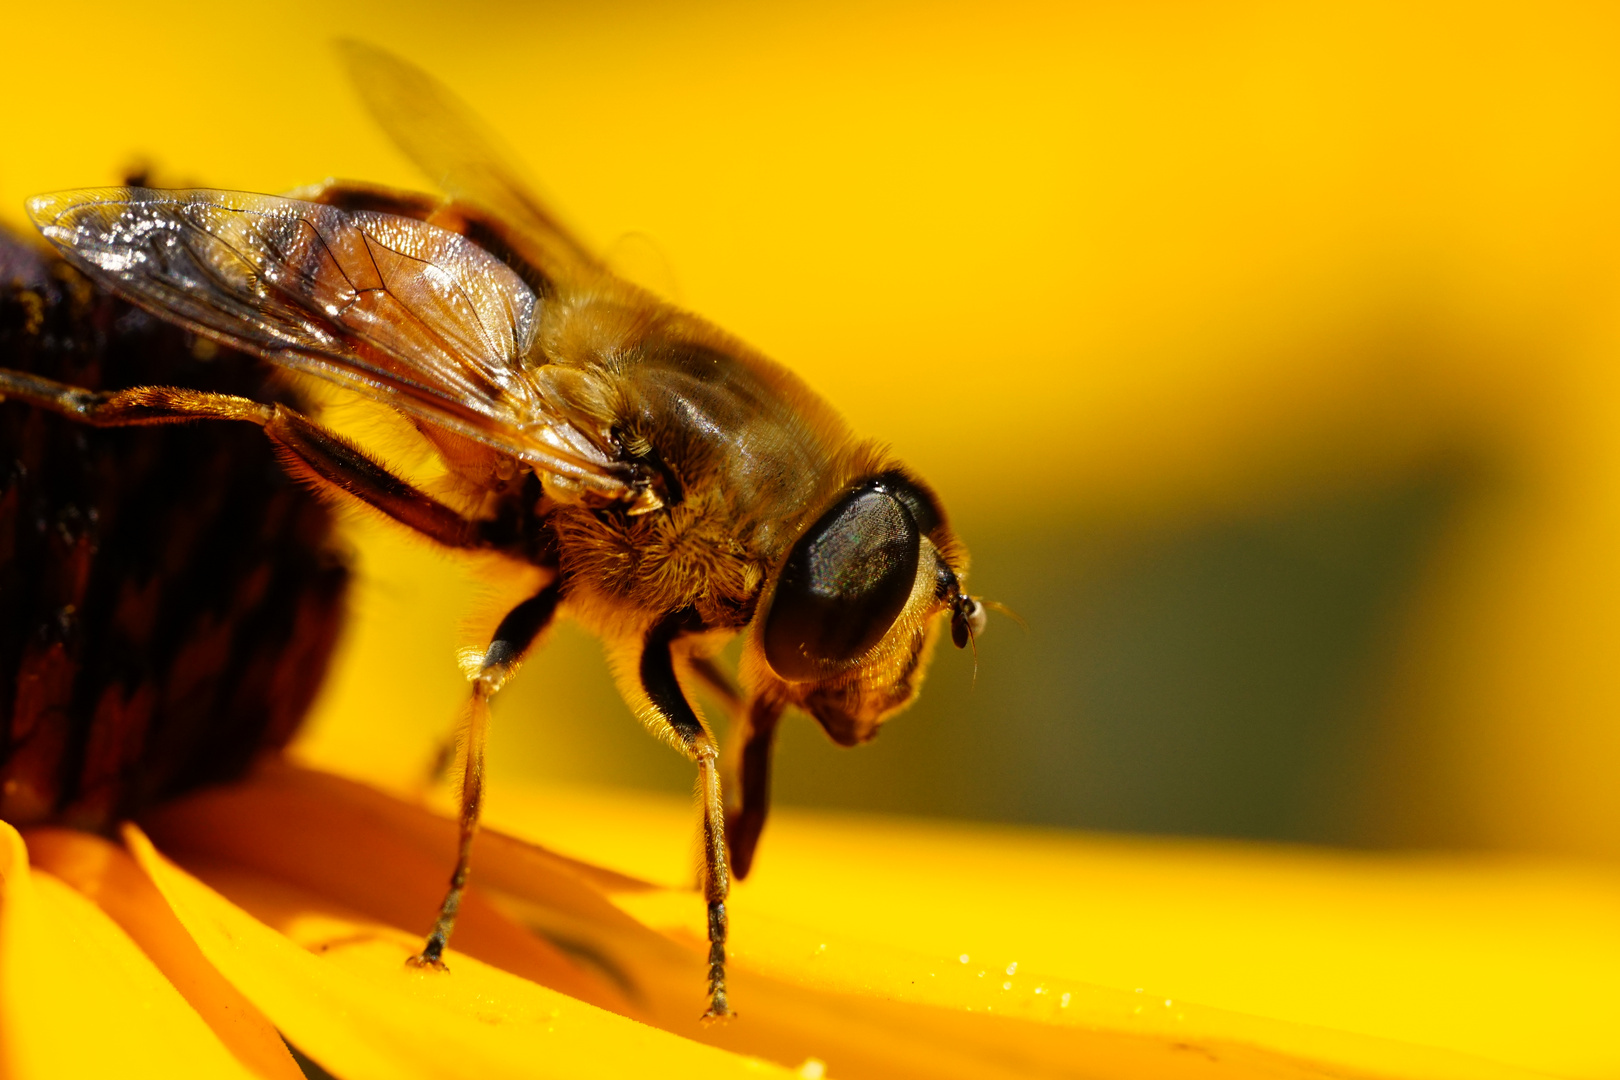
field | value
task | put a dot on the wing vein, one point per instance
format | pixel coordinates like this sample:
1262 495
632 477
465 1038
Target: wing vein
390 307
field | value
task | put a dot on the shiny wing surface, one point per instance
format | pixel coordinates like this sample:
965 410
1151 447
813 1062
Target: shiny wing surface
396 309
444 138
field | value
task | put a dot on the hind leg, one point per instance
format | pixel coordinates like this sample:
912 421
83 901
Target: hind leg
309 450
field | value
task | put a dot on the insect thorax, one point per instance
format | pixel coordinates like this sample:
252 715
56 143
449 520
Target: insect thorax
688 556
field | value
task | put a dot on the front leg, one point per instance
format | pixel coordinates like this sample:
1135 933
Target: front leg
748 767
668 702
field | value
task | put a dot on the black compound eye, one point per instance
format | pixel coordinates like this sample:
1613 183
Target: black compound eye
924 511
843 585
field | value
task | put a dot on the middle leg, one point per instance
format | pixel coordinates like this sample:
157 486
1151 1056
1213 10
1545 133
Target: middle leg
512 639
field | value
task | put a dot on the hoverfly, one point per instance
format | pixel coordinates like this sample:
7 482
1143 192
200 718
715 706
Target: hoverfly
676 488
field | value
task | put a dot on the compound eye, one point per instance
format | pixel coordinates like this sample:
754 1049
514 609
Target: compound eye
843 585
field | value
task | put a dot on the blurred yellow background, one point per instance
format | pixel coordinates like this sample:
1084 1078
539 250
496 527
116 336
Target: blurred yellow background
1265 355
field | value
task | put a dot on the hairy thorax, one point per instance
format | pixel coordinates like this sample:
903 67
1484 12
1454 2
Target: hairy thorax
617 567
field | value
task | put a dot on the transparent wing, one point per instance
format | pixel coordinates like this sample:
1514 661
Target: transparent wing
444 138
394 308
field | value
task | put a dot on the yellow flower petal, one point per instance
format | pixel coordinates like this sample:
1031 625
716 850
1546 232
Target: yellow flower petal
78 998
807 986
374 855
359 1011
857 973
886 911
251 841
106 875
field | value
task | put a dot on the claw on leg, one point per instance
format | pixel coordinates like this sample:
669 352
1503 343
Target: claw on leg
422 961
